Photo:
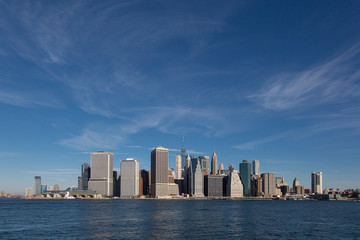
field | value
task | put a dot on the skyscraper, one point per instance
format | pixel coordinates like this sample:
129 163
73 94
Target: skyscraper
85 176
79 183
198 181
316 182
256 168
129 178
295 183
183 155
178 166
204 162
37 185
159 172
234 184
269 183
116 184
43 188
245 174
187 176
214 164
145 175
101 177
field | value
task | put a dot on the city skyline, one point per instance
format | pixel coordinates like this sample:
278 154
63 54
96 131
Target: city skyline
276 82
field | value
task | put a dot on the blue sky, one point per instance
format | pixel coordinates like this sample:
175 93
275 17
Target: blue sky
277 81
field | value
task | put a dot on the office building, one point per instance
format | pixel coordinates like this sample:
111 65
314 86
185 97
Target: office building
234 185
213 186
43 188
256 168
256 186
299 190
316 182
37 185
187 189
79 183
198 181
205 164
101 175
285 190
85 176
116 184
295 183
245 174
159 172
145 175
183 155
178 166
129 178
214 164
269 184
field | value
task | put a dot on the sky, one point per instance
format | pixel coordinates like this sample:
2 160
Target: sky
277 81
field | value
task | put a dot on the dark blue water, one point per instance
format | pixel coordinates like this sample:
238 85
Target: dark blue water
178 219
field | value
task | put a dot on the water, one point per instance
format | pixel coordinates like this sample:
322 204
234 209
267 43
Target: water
178 219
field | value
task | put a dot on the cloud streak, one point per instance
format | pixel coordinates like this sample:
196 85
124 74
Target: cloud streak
254 144
334 81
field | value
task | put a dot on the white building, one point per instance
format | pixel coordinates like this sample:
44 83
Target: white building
234 185
178 166
129 178
198 181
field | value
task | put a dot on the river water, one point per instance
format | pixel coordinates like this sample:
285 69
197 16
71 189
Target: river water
178 219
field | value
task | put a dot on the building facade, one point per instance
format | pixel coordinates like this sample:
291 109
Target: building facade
145 175
159 172
129 178
269 183
198 181
234 185
316 182
295 183
37 185
213 186
205 164
183 155
85 176
256 168
214 164
178 166
245 176
101 177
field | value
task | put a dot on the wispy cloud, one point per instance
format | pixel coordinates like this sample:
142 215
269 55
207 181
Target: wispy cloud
332 81
254 144
163 119
29 99
92 138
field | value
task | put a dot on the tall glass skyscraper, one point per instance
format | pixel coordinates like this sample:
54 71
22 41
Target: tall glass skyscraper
85 176
245 174
183 155
316 182
256 168
37 185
